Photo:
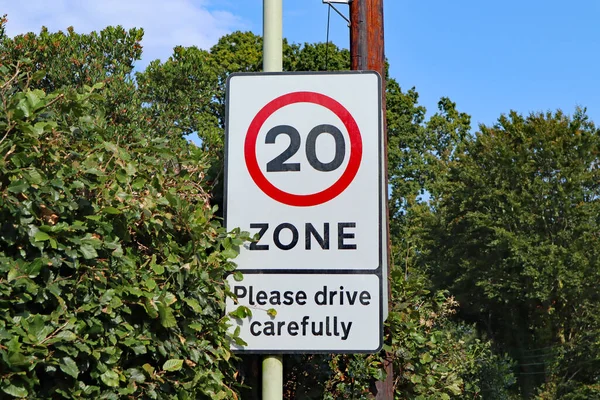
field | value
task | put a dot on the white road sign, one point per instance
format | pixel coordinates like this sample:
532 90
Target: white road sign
304 174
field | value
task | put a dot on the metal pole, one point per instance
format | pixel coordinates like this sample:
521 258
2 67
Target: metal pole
272 377
272 35
272 365
367 53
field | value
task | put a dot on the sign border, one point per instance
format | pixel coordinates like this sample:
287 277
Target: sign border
376 271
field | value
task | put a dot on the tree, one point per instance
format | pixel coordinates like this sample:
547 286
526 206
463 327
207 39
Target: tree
179 96
74 60
515 236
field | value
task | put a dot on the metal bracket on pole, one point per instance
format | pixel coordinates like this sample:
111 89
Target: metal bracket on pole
329 2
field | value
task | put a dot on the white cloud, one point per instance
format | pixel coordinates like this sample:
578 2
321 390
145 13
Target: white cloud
166 23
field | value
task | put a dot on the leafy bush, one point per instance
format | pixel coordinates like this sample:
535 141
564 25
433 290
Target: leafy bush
436 357
111 263
433 356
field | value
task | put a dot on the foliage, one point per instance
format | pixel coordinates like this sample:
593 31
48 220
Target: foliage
73 60
418 150
407 151
179 96
111 260
433 357
516 228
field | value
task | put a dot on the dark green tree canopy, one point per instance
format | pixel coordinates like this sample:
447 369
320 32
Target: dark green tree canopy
516 234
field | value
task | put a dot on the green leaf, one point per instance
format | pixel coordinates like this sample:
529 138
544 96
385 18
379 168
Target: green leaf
116 302
17 359
172 365
238 276
111 210
69 367
141 349
15 391
239 341
33 98
138 184
38 328
88 251
196 326
13 274
230 253
33 269
241 312
158 269
418 337
63 336
150 307
193 305
37 75
136 375
167 319
168 298
130 169
426 358
111 147
23 106
455 389
148 368
272 312
94 171
110 378
34 177
18 186
150 283
41 236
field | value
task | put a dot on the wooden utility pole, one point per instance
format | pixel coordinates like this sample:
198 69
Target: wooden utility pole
367 53
366 35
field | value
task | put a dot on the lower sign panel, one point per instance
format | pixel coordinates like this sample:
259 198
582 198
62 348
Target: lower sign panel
308 313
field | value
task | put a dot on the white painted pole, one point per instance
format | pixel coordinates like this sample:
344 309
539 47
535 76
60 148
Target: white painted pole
272 365
272 377
272 35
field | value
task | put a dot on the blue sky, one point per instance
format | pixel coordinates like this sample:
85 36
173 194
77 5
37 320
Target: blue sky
487 56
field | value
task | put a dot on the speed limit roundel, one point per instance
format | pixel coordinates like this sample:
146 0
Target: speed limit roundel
279 163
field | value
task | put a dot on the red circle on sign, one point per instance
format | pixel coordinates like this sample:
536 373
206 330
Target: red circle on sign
313 199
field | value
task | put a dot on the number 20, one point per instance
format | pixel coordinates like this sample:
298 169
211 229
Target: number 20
278 164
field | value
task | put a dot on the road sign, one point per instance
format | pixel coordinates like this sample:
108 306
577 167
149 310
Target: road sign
304 174
315 312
